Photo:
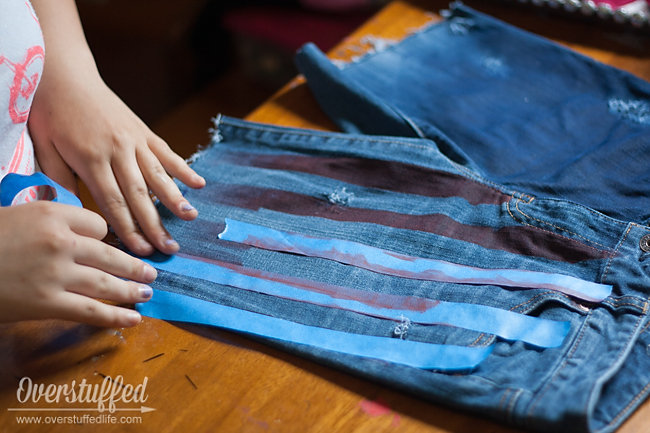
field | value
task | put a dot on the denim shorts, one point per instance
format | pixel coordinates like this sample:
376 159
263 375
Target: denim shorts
518 109
404 195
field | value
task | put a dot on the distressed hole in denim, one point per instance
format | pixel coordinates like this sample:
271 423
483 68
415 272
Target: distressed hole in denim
637 111
216 135
340 196
495 66
460 26
402 328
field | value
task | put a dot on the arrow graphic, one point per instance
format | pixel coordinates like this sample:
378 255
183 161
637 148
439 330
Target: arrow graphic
141 409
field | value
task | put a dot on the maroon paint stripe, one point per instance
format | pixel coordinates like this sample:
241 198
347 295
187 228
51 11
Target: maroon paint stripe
373 173
522 240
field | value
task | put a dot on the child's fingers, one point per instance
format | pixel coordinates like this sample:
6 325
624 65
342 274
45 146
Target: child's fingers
71 306
174 164
105 258
164 187
82 221
113 204
94 283
136 192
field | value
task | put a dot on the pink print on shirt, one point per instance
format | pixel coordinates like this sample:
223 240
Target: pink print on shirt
26 77
18 155
22 57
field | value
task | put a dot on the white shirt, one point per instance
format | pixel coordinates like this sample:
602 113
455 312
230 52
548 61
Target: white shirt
22 56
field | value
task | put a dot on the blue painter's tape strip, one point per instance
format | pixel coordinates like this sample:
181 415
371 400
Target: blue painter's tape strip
13 183
391 263
506 324
172 306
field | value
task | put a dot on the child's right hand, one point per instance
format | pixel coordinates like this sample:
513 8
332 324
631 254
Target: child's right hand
53 263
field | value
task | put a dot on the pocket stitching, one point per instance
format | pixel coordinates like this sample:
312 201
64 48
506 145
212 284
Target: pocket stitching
508 207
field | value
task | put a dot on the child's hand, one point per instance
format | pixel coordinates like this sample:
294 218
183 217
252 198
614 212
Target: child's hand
77 123
85 127
53 262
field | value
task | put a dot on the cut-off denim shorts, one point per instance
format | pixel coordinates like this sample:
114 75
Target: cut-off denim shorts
491 149
403 195
516 108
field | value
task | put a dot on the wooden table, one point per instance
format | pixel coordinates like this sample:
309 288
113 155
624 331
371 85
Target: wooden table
201 379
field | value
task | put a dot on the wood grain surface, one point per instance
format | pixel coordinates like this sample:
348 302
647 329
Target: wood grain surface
207 380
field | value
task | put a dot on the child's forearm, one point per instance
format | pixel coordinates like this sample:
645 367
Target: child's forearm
66 50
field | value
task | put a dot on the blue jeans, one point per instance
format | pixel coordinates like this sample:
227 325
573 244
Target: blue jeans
385 192
515 108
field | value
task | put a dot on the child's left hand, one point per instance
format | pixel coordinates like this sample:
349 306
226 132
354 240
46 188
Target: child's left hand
87 128
78 124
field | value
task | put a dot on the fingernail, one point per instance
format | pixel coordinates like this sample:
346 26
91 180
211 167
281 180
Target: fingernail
150 272
146 292
133 317
197 178
146 246
187 207
171 243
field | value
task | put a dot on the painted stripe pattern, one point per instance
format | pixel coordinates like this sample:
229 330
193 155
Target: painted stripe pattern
391 263
506 324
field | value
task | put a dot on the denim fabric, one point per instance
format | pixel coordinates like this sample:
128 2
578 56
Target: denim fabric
290 179
523 111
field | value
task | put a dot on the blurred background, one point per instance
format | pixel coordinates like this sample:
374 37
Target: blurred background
156 53
178 63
